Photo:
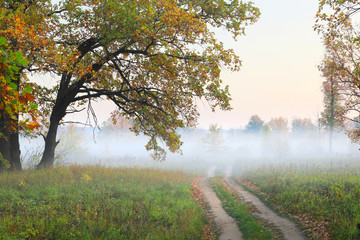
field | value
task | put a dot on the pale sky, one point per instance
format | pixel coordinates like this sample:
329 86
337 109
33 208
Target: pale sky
279 76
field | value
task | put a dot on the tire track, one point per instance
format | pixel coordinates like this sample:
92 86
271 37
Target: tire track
225 224
289 229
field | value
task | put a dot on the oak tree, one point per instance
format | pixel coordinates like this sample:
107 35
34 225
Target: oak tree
151 58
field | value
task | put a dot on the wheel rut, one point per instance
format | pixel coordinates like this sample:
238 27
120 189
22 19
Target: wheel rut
225 224
289 229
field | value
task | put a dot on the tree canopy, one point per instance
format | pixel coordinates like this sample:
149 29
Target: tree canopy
278 125
333 89
341 61
151 58
301 126
255 125
11 100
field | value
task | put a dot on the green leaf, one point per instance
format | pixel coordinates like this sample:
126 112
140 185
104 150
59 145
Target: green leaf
28 89
13 85
14 101
20 60
15 69
2 41
33 106
18 55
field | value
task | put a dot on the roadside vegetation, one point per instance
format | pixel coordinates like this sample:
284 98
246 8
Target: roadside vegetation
250 227
99 203
326 201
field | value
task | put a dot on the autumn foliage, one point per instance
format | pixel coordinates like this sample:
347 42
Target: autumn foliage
340 66
10 102
153 59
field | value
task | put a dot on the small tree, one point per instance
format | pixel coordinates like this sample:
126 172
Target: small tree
255 125
334 112
214 142
279 125
279 134
116 123
302 126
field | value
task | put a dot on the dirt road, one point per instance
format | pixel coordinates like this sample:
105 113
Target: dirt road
227 226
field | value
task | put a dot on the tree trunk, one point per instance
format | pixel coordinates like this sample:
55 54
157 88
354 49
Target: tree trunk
58 112
9 145
4 143
65 96
330 147
330 139
15 161
48 157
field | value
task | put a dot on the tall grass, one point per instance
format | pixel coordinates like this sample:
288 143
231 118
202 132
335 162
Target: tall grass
98 203
331 197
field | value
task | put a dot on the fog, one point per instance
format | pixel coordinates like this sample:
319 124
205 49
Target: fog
201 149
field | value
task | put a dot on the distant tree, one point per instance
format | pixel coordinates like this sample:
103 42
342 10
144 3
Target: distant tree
72 145
279 136
266 131
266 140
279 125
301 126
255 125
214 141
116 123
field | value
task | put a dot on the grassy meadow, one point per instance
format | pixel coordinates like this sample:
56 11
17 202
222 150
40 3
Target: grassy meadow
329 197
99 203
